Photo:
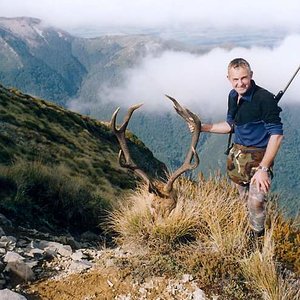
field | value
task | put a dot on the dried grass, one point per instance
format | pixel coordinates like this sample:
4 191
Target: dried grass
261 271
207 234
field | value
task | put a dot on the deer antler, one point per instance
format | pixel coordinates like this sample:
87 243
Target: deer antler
192 119
126 161
124 154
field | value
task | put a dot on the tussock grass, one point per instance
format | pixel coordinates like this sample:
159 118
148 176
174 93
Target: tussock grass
207 235
136 225
214 216
33 188
261 271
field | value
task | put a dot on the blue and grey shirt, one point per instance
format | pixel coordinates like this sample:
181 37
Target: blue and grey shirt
255 117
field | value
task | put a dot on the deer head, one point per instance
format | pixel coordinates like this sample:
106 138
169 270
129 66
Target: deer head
164 196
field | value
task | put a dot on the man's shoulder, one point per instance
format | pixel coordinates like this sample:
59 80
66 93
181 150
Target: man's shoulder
265 100
262 92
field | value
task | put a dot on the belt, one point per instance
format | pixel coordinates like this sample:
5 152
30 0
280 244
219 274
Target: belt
248 149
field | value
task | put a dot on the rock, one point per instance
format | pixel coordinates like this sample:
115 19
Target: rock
2 251
36 253
12 257
22 243
7 294
21 269
77 255
79 266
199 295
186 278
8 242
50 253
32 263
63 250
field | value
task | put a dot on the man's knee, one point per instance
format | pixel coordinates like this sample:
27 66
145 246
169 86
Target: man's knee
256 197
256 208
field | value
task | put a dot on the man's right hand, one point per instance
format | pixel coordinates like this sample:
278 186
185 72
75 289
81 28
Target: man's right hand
191 127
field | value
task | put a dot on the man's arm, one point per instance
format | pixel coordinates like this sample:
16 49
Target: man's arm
261 178
222 127
272 149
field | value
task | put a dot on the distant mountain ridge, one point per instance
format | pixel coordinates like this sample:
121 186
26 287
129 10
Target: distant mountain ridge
52 64
38 59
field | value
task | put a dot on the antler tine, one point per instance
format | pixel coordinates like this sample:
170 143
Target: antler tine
124 152
193 119
183 112
127 117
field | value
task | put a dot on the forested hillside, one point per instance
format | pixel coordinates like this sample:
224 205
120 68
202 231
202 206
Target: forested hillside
170 145
38 59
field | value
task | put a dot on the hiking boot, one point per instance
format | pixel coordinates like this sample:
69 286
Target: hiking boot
258 234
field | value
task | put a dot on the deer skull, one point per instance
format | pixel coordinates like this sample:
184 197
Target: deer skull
164 196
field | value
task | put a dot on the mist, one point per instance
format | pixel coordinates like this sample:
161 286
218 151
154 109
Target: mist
197 81
200 81
173 15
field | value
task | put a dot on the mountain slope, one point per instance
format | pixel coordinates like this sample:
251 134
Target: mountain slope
38 59
51 142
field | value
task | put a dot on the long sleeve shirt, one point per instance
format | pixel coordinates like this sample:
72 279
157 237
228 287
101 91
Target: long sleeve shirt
255 117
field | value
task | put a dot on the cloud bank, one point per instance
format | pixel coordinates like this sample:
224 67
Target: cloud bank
196 80
174 14
199 81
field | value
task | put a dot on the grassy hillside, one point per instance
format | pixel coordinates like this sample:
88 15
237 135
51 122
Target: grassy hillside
60 165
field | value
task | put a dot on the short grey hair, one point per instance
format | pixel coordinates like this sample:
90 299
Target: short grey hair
239 62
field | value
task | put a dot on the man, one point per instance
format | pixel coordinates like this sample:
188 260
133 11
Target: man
253 115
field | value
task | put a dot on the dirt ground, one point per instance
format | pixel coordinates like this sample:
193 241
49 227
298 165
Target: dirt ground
97 284
107 284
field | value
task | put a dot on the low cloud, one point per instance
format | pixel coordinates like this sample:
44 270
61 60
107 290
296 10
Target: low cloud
199 81
171 14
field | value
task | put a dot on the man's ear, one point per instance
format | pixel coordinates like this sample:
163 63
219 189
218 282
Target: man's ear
251 74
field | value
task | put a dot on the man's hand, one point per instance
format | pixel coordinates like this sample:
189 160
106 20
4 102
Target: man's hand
262 180
191 127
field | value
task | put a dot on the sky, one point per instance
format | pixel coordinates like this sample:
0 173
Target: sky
70 14
197 80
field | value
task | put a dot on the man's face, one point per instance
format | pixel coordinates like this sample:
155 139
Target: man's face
240 79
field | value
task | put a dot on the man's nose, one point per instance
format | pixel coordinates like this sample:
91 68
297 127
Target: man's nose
240 82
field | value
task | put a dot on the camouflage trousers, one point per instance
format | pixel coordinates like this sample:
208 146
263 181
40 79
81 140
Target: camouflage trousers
255 201
242 163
